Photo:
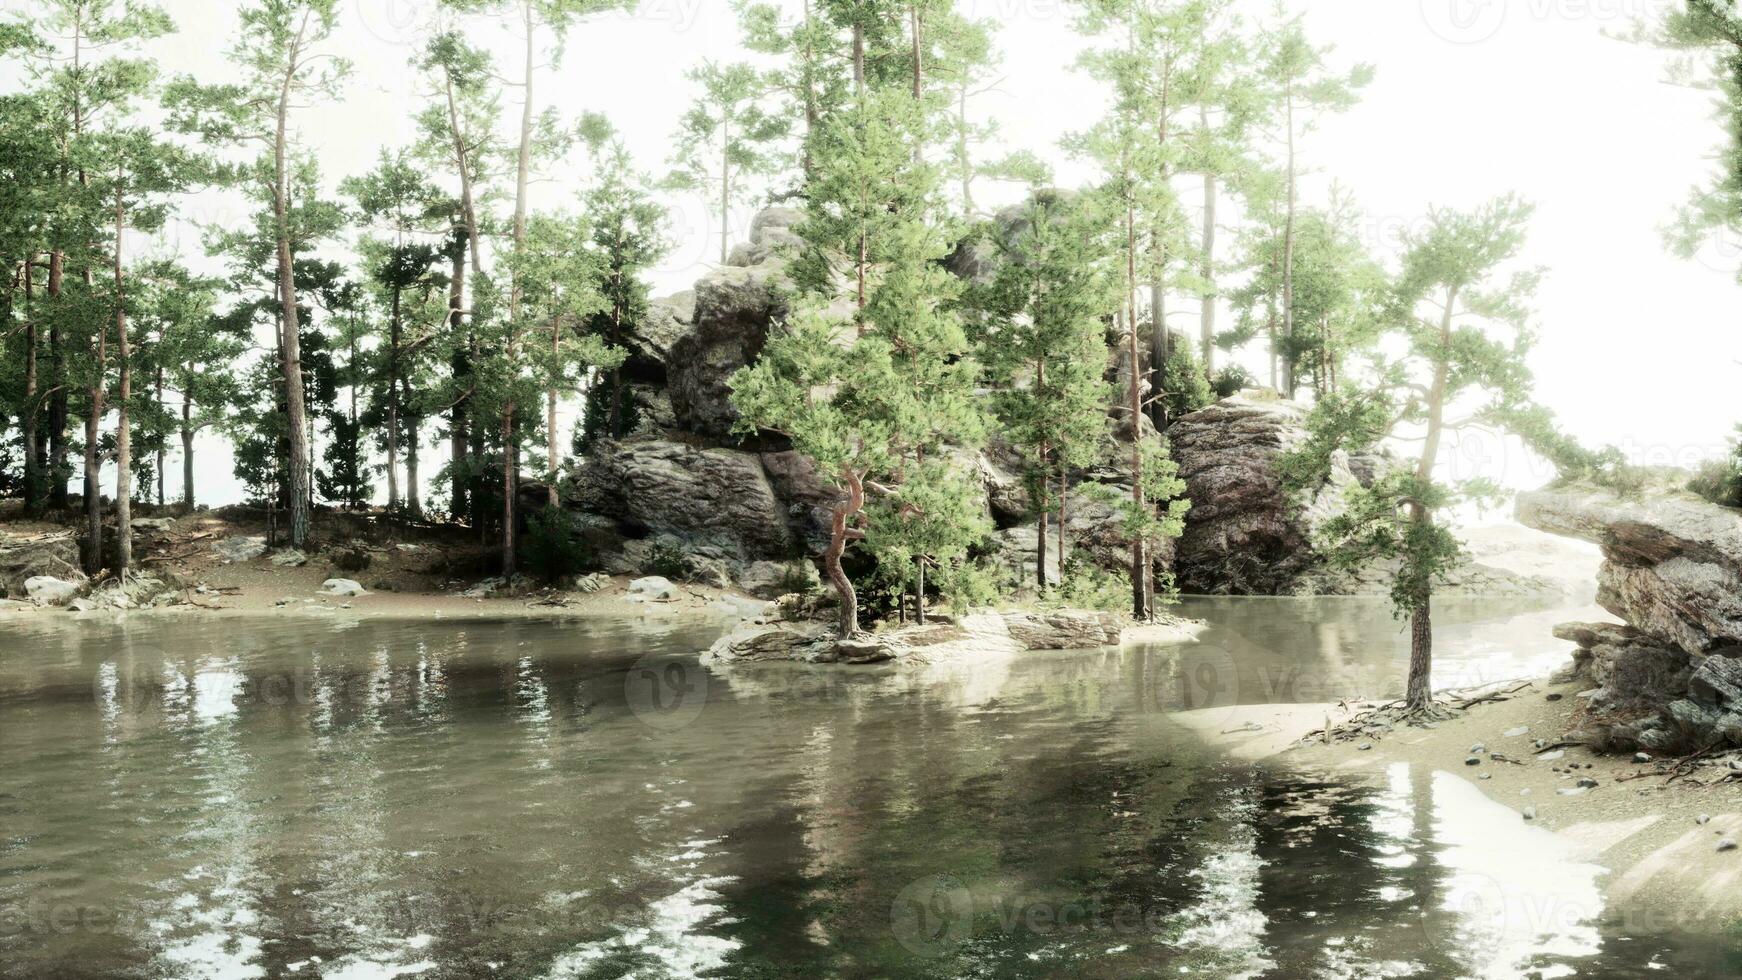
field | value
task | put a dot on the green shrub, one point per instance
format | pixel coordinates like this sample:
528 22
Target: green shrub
1720 480
552 548
1087 585
667 561
1231 380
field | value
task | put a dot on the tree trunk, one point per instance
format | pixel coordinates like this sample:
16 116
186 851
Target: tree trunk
1288 379
919 591
1158 345
93 461
1207 313
57 401
187 446
157 399
725 182
552 446
1064 492
290 343
614 416
1134 405
458 420
522 173
457 413
123 430
848 623
413 500
1421 639
1040 465
508 491
395 326
1421 657
27 416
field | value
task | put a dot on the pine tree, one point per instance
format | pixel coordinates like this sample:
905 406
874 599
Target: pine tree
627 238
1046 349
456 132
140 171
93 74
410 211
541 348
1302 86
1462 324
279 50
726 139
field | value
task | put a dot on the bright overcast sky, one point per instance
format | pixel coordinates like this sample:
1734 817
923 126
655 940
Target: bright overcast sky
1472 98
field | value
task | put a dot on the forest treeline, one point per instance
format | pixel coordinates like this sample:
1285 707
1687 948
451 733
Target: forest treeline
463 315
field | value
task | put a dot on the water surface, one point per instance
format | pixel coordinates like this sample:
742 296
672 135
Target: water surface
293 798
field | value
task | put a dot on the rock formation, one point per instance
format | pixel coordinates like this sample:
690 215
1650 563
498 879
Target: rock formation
683 482
1671 677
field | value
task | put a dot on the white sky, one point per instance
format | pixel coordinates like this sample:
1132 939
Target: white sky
1472 98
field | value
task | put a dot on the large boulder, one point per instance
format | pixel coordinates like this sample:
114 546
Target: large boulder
1244 535
808 498
22 559
1670 678
715 498
649 345
1672 562
773 235
734 309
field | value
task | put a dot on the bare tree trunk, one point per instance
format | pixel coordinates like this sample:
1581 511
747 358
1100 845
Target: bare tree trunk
27 417
1040 529
552 443
123 430
395 330
1158 349
919 591
457 413
522 172
157 399
413 500
848 622
1421 657
57 401
93 460
1064 493
290 343
508 492
187 445
1207 313
1134 405
1421 639
725 184
1288 379
458 419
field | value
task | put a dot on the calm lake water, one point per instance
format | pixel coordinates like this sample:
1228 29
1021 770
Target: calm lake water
293 798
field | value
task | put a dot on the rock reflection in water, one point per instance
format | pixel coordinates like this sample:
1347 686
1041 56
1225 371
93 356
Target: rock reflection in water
562 800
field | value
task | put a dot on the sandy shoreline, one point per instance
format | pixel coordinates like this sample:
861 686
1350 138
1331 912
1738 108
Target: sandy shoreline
1665 869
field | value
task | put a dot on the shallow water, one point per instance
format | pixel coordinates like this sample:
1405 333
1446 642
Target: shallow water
286 798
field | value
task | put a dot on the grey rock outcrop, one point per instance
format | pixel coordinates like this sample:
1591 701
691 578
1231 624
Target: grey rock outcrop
1670 678
733 310
1244 535
21 559
1672 563
719 498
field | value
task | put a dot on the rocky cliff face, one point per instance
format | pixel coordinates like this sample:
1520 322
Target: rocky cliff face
1671 677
